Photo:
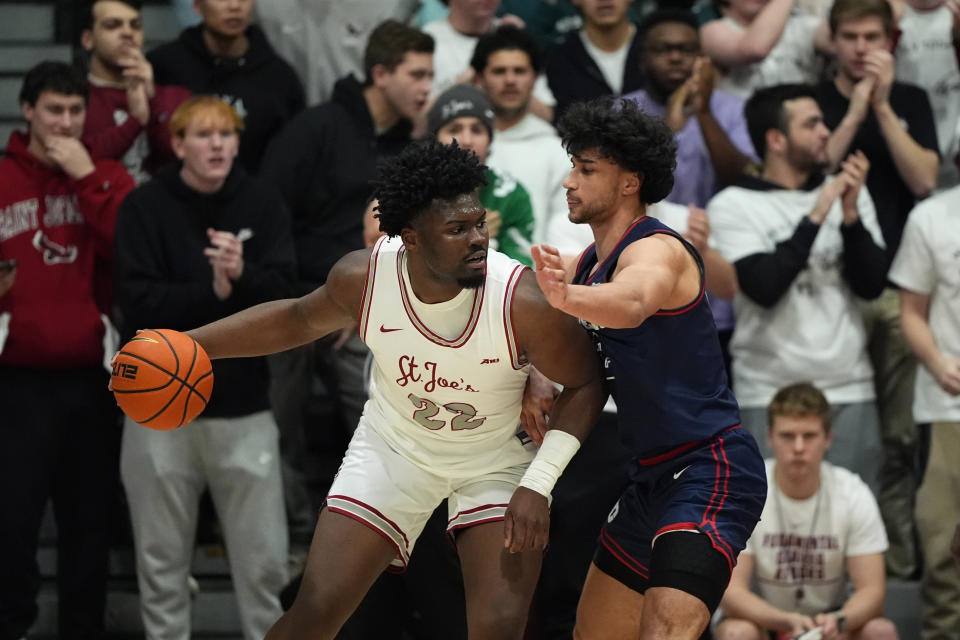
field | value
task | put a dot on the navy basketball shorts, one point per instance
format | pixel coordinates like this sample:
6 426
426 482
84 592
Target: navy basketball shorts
685 517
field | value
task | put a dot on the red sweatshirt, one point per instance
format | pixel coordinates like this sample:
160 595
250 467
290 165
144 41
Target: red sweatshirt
57 229
111 132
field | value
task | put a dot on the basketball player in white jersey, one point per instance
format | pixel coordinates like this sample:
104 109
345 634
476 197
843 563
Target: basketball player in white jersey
453 329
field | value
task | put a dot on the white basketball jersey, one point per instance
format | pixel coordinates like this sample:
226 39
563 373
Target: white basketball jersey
450 405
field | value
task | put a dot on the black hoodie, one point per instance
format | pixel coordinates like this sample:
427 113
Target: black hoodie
324 163
261 86
163 279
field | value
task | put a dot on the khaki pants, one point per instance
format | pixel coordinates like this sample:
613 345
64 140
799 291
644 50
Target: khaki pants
938 511
895 368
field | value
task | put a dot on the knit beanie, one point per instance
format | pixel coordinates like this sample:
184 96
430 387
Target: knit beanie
459 101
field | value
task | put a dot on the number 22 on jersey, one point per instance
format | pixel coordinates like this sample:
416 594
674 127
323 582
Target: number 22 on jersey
464 415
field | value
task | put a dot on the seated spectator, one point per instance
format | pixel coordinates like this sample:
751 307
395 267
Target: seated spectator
200 241
128 114
456 37
463 114
803 247
820 524
324 39
228 57
757 44
602 58
925 269
927 55
59 430
506 63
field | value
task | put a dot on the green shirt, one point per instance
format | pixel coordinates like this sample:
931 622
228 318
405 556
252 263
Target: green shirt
506 196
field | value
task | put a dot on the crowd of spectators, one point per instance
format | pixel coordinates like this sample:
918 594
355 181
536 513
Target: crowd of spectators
816 173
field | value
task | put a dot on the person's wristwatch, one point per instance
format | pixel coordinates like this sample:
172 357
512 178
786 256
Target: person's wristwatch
841 620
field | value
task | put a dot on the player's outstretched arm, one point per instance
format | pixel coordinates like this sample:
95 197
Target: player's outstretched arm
284 324
649 273
555 344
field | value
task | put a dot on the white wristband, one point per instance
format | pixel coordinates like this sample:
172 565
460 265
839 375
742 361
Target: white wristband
553 457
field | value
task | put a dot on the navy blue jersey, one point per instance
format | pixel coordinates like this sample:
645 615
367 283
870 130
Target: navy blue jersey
666 375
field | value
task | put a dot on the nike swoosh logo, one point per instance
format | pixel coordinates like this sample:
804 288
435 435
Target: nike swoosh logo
383 330
680 473
143 339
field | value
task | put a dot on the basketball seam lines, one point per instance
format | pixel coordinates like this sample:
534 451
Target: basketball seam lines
174 376
186 403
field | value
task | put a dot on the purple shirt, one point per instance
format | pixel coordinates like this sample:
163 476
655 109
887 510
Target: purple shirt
695 181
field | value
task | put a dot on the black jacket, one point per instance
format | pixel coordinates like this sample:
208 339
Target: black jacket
573 75
163 279
324 163
261 86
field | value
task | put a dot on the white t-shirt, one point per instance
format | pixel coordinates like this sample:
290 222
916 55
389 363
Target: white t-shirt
531 152
447 397
928 262
804 544
792 59
814 332
925 57
611 63
451 57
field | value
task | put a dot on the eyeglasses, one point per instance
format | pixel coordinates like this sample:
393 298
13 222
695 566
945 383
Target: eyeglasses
665 48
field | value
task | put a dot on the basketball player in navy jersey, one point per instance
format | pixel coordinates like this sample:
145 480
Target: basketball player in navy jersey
452 328
698 482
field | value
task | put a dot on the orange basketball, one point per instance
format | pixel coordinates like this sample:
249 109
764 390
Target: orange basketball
162 379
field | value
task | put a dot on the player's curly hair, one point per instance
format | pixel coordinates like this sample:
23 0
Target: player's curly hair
620 131
420 174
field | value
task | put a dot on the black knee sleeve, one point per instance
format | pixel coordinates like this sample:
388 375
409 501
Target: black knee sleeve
687 561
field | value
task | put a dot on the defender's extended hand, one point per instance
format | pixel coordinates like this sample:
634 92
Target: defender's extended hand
526 525
551 275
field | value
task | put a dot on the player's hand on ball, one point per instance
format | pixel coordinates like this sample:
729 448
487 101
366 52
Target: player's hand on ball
527 522
551 276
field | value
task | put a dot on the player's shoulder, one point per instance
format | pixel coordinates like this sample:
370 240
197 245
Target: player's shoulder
652 246
501 268
351 269
527 298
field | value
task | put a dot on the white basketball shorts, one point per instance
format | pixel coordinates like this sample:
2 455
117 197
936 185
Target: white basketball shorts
379 487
